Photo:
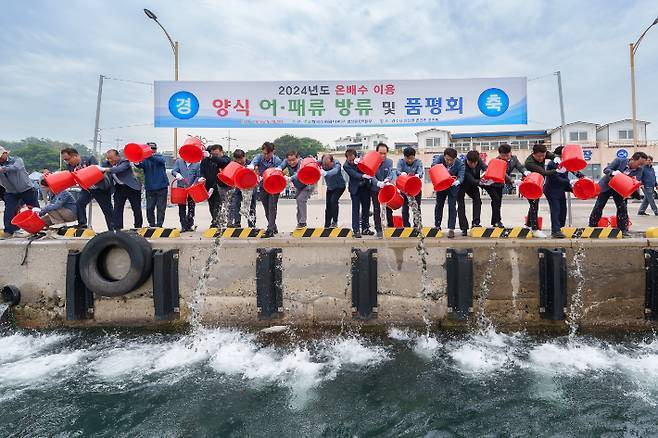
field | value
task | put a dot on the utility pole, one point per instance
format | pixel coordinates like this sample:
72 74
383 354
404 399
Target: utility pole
98 114
563 136
633 49
228 138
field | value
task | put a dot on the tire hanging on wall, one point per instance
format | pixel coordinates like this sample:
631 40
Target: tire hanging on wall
93 262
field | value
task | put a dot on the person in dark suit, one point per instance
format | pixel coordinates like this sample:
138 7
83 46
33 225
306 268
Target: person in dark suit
556 185
471 187
126 187
385 174
359 188
456 168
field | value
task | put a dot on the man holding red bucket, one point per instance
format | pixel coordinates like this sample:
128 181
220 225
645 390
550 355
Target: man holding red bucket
156 185
359 188
330 169
383 175
632 167
260 163
302 191
126 188
214 160
471 187
535 163
555 187
456 169
186 174
60 209
410 165
18 189
236 199
101 192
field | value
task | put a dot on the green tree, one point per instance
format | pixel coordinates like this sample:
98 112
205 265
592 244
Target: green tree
305 146
37 156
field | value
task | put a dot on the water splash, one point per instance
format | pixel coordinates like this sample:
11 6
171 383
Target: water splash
575 310
484 324
245 207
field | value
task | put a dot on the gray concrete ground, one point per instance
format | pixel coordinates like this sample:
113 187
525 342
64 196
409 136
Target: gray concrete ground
513 212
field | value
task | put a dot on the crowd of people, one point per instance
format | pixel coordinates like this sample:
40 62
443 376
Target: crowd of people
120 185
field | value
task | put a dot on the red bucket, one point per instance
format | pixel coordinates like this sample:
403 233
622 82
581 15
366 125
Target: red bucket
409 184
390 196
572 158
198 192
137 152
309 171
397 221
246 179
624 184
28 221
192 150
613 222
88 176
540 221
274 181
227 174
585 188
441 178
178 194
532 186
496 171
603 222
370 163
60 181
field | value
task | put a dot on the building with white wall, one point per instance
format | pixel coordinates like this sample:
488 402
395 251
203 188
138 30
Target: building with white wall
360 141
433 140
620 133
579 132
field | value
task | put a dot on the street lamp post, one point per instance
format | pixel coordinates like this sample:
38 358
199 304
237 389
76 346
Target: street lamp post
174 47
633 49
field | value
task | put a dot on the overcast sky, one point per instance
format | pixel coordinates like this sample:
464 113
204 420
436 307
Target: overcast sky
52 52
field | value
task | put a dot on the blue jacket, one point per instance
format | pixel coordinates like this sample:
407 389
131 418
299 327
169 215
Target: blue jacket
457 168
356 179
649 177
13 176
123 172
189 171
334 177
292 172
556 184
384 171
262 165
63 199
416 168
620 164
155 172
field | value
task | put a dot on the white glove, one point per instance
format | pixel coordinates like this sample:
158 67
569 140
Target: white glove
287 178
323 172
557 160
36 210
212 189
178 177
366 176
357 160
615 172
486 182
380 184
526 173
387 180
201 180
250 167
206 154
101 168
456 183
573 182
403 173
561 170
517 182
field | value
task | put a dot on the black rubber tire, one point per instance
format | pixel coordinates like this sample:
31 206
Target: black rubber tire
92 261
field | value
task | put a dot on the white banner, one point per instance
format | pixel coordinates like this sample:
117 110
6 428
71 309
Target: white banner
314 104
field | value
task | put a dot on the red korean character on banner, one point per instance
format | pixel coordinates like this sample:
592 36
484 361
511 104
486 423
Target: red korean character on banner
379 89
389 89
222 105
351 89
242 107
340 90
362 89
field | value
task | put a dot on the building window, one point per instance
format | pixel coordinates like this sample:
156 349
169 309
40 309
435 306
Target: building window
515 145
578 136
524 144
625 134
433 142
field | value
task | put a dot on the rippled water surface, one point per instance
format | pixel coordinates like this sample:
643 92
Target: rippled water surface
220 382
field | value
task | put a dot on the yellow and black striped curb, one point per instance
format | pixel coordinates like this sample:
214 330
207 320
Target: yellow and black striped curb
158 233
412 232
322 232
592 233
233 233
76 232
501 233
652 232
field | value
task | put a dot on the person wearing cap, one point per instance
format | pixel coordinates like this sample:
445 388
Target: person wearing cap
214 160
536 163
236 198
261 162
101 192
61 207
126 188
186 174
18 188
156 184
495 190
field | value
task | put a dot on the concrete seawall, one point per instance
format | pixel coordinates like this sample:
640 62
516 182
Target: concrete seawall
607 275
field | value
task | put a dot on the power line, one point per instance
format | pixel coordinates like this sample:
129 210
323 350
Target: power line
126 126
128 80
541 77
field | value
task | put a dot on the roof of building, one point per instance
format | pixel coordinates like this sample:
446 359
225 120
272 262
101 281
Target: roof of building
499 134
557 128
622 120
432 129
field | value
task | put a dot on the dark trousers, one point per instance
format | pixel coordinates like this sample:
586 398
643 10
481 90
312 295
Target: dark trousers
156 199
451 195
473 192
234 213
15 200
215 202
104 199
496 195
377 212
533 214
186 215
122 193
557 203
405 209
361 209
599 205
270 205
331 206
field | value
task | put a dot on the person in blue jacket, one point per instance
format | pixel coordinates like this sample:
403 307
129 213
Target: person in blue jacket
60 209
410 165
648 185
302 191
455 168
126 188
186 174
556 185
632 167
330 169
385 174
156 184
359 188
261 163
